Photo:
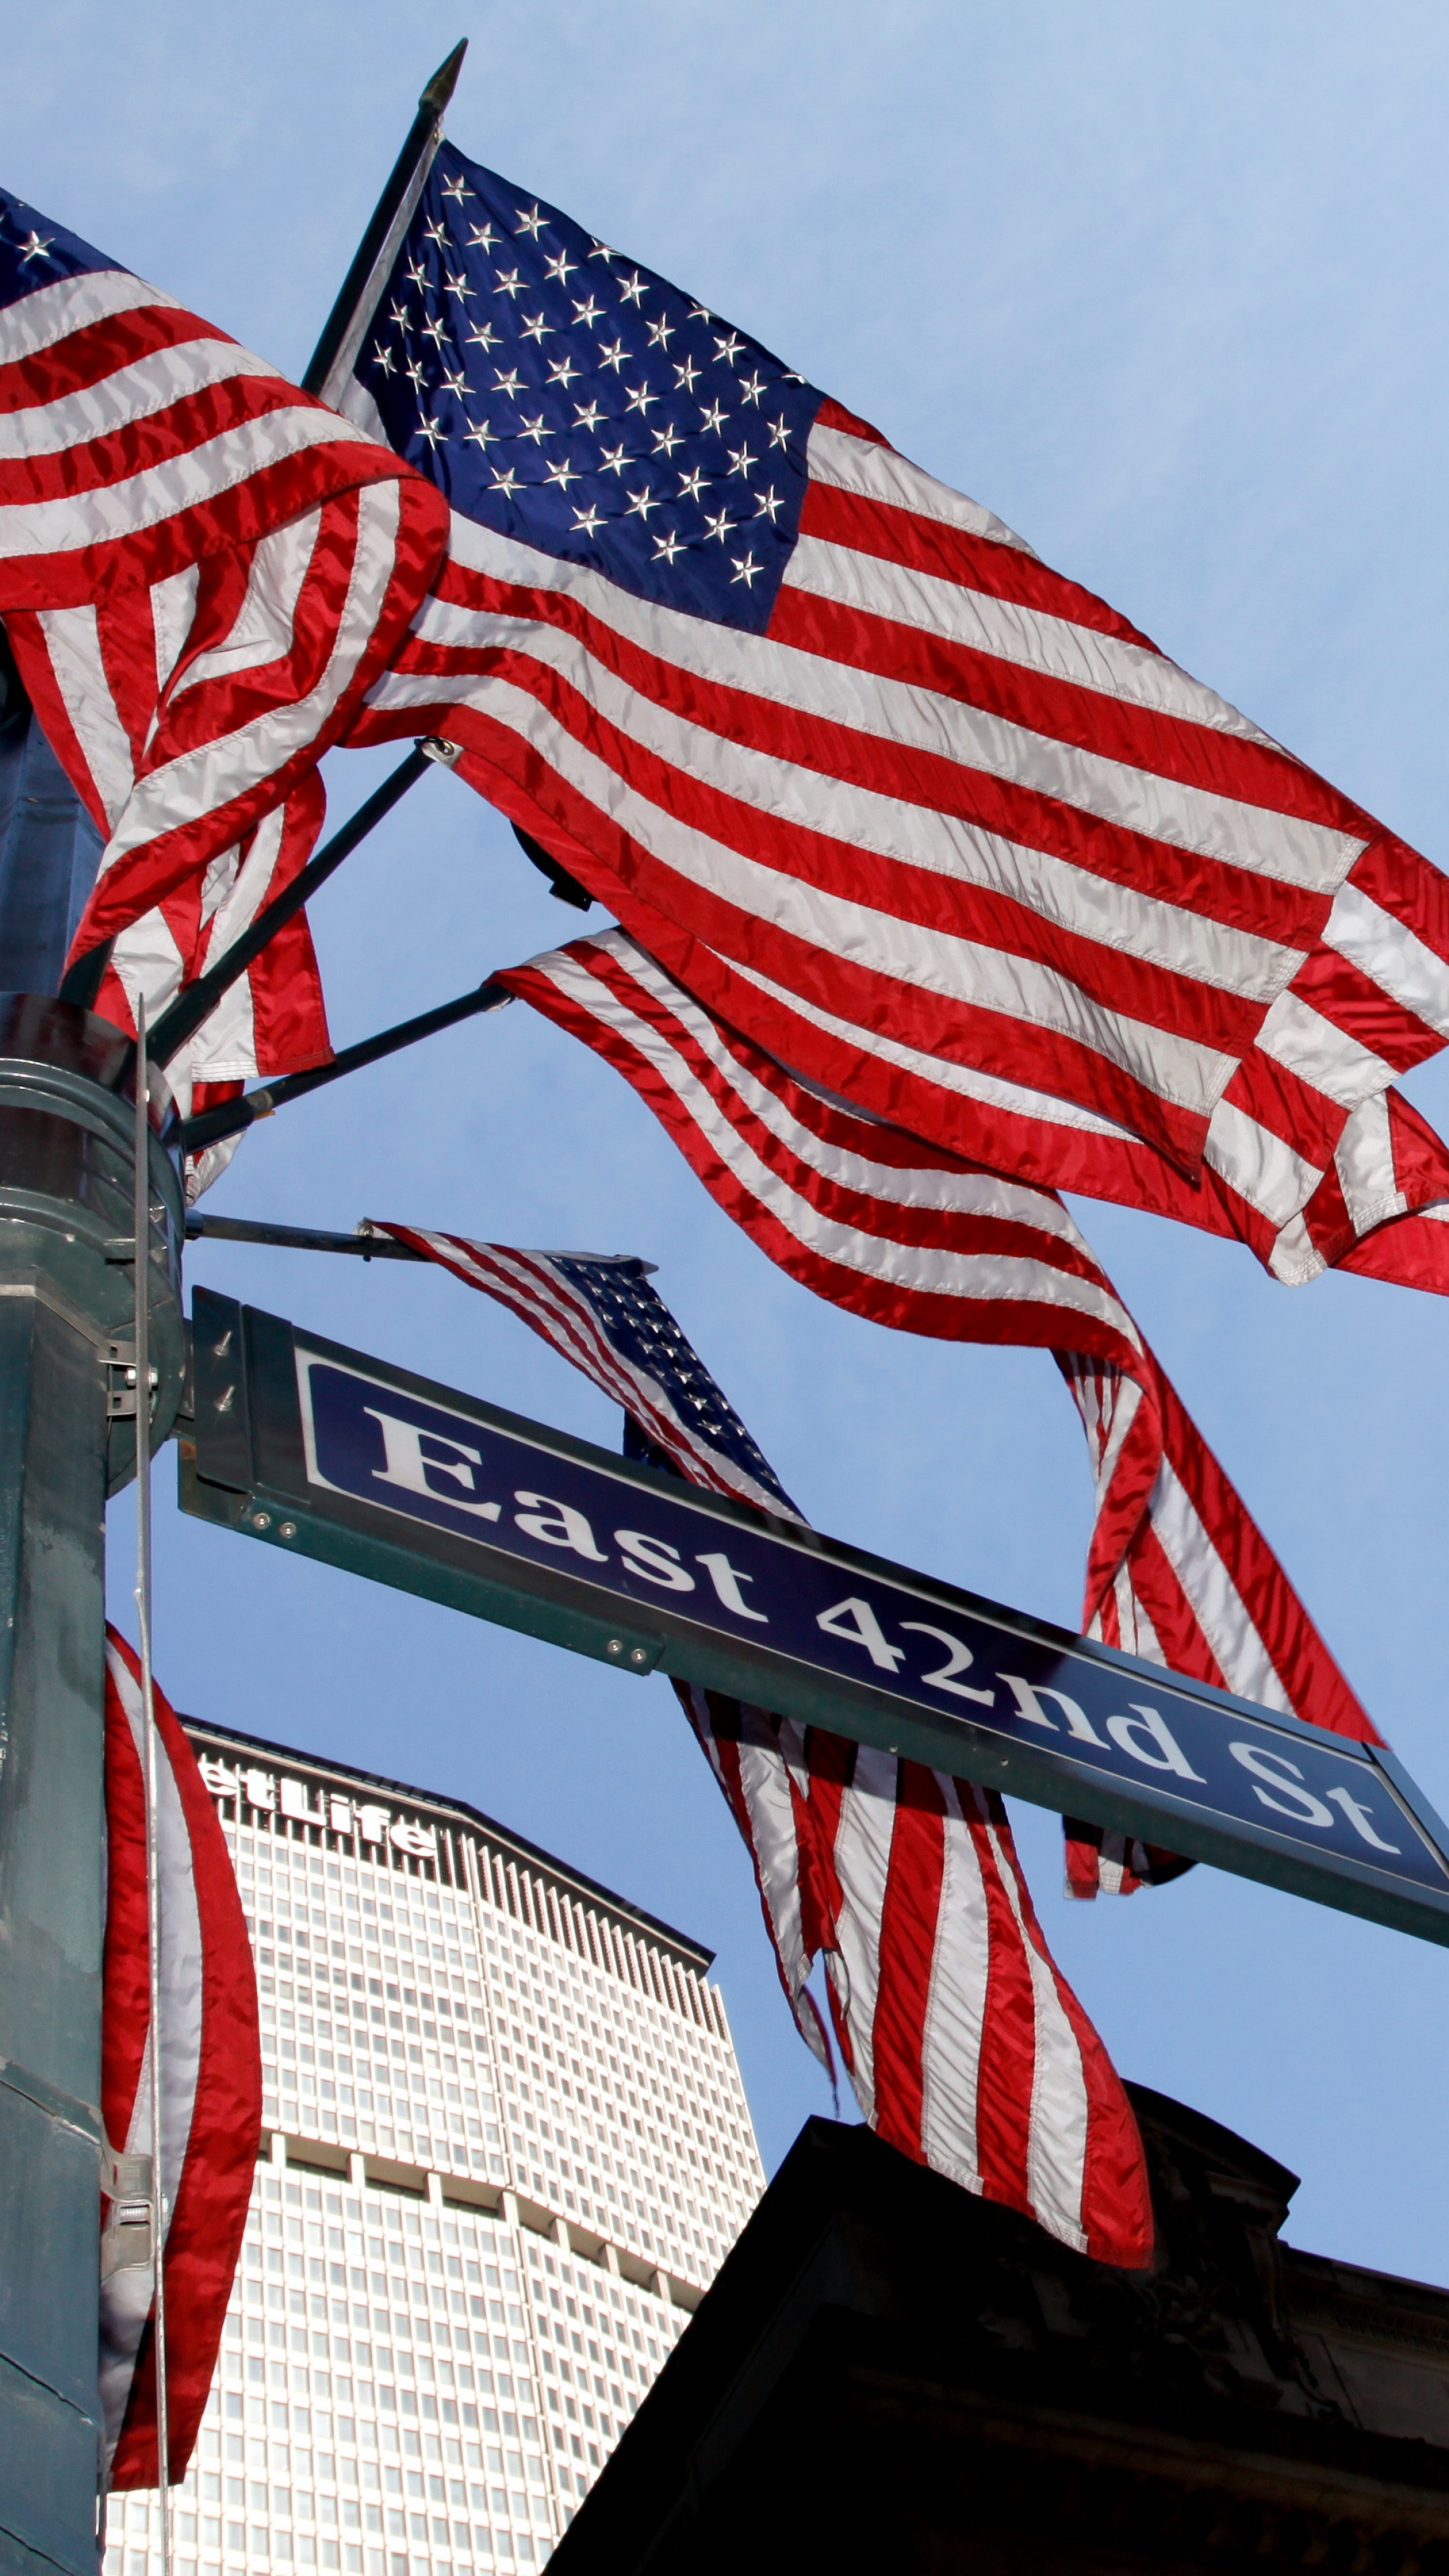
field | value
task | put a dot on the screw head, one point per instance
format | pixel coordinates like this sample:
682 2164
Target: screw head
286 1529
639 1655
261 1520
615 1646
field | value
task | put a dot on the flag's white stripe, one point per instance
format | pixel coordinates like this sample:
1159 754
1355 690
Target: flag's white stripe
1364 1161
880 474
264 628
1029 637
1295 1256
1247 836
1217 1604
982 1277
137 391
955 2005
1258 1165
147 960
862 1852
1057 2144
224 1048
173 614
765 1786
72 643
198 781
68 304
1120 918
113 511
1137 1634
1391 955
1320 1053
1018 989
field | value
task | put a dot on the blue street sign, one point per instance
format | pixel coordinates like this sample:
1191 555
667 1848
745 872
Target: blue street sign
326 1452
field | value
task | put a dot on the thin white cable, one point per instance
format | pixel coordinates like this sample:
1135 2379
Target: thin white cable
142 1233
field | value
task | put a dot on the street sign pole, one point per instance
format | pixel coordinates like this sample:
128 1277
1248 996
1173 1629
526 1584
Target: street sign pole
67 1312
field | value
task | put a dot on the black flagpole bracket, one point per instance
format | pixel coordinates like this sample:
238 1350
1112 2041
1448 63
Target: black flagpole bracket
233 1117
365 1245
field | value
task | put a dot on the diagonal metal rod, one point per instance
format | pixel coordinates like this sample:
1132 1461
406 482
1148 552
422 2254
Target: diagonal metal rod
296 1238
352 311
184 1016
231 1117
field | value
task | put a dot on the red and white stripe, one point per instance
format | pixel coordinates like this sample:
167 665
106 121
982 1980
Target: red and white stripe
954 839
273 1019
912 1237
202 571
210 2068
964 2045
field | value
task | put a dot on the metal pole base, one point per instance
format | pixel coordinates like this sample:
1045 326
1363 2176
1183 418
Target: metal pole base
67 1310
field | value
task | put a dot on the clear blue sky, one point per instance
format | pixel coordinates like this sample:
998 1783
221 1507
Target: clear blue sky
1163 288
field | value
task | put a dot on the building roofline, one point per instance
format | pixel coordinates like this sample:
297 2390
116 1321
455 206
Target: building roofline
591 1889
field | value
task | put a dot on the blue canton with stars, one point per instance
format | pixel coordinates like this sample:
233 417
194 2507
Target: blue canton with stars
639 1326
561 395
35 252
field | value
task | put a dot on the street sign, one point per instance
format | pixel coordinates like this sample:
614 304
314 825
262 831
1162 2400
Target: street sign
326 1453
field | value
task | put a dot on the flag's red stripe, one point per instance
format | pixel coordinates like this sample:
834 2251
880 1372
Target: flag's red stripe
900 535
909 1916
96 350
1353 1002
1008 2037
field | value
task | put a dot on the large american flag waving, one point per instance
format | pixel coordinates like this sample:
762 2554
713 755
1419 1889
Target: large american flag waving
964 2044
922 816
202 570
891 1228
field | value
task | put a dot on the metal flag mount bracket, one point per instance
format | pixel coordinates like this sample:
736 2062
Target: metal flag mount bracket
327 1453
230 1117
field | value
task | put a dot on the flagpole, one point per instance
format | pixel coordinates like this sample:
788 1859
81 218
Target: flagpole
142 1214
331 360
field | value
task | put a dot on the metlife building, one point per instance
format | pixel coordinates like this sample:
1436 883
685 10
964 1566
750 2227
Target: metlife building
506 2149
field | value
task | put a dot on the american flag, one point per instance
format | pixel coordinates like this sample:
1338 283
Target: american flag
599 1311
201 572
872 1219
964 2045
211 2073
927 819
273 1018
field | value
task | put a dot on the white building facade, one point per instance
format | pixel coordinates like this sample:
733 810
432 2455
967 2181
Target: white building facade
506 2147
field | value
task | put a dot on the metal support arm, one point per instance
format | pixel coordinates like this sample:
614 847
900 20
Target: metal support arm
231 1117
